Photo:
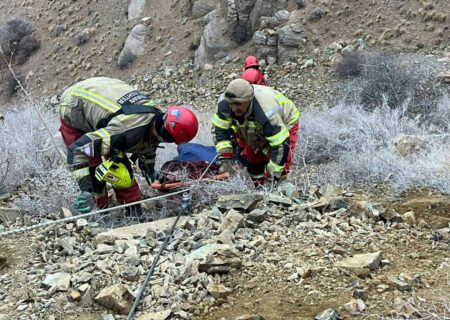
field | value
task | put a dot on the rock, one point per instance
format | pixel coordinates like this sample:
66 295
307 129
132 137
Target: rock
74 295
65 213
409 218
250 317
232 221
328 314
116 298
257 215
371 210
278 200
245 202
360 294
406 145
58 281
104 249
9 215
355 307
218 291
131 273
134 46
444 77
161 315
135 9
67 243
370 261
290 38
202 7
137 230
215 258
401 285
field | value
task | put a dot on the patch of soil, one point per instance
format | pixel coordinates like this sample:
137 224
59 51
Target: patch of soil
433 208
12 253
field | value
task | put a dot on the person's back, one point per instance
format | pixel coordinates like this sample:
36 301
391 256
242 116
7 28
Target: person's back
252 73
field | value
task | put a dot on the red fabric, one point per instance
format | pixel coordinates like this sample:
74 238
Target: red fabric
254 76
131 194
101 201
128 195
258 158
70 135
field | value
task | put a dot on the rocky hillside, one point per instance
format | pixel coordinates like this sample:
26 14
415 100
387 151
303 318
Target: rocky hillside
124 39
303 251
331 254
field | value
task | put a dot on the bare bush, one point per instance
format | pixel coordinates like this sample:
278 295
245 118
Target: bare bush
350 65
29 162
17 40
396 81
349 145
12 85
316 14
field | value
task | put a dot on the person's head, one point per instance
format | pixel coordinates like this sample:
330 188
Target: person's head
251 62
253 76
239 94
178 125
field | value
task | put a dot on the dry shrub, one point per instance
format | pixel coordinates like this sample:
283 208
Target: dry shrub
350 65
17 40
30 164
349 145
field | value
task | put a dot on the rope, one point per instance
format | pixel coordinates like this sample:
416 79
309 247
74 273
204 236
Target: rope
64 220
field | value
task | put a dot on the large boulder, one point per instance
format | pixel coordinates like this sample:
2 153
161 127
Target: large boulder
214 44
135 9
290 38
134 45
233 23
201 8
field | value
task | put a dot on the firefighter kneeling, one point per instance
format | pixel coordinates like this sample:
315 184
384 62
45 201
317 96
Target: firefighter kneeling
104 117
257 125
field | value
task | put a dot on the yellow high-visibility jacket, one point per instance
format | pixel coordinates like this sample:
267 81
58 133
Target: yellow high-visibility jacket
265 126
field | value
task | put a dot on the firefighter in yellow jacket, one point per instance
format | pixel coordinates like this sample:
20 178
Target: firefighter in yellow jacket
258 126
104 118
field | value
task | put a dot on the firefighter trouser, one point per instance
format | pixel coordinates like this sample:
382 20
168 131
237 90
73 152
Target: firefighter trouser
256 162
96 187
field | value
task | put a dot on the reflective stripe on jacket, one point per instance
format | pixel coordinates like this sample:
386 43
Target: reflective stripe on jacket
87 103
265 126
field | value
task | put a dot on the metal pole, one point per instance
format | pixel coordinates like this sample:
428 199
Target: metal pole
184 206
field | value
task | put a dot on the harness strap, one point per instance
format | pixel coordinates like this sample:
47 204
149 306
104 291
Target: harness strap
127 109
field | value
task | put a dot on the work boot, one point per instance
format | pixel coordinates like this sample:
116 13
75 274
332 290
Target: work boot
135 211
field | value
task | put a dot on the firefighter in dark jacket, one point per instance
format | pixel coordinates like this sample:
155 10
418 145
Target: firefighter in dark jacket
258 126
104 118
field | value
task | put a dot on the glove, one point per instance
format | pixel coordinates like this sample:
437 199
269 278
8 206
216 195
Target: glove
148 168
84 203
226 165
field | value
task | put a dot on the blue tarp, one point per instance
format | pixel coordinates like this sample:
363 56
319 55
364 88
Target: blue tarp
195 151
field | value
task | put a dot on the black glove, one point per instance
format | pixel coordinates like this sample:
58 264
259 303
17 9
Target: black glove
147 167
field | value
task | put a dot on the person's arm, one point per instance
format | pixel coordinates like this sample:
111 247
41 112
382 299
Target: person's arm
221 130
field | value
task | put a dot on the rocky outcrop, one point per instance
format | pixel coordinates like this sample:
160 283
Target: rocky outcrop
233 23
134 45
135 9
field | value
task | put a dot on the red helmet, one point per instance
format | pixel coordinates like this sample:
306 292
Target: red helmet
251 61
253 76
181 123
